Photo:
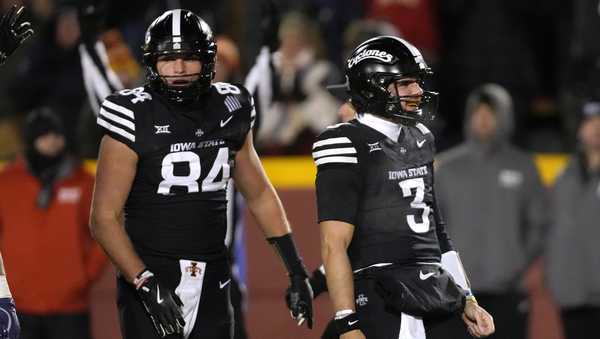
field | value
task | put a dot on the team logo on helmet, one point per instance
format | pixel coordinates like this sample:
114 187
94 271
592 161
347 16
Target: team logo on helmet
370 54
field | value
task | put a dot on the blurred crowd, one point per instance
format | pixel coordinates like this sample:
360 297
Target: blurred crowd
543 52
514 76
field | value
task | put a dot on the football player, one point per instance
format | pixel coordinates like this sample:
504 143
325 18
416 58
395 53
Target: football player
13 32
389 263
164 162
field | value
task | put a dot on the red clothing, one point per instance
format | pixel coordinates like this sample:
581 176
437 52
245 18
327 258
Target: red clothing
50 258
415 19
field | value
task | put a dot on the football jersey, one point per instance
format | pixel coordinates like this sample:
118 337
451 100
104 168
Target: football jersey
177 203
384 188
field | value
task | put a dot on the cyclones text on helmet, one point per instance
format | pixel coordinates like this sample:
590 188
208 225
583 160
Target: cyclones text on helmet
180 33
379 62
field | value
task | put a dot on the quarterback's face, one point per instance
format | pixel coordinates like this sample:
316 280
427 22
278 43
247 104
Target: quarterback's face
178 71
589 133
410 90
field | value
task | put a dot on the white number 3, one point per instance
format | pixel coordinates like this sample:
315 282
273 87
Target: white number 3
407 186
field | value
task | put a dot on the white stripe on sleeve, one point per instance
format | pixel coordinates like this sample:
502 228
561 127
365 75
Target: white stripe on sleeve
334 151
114 118
331 141
423 128
329 160
115 129
119 109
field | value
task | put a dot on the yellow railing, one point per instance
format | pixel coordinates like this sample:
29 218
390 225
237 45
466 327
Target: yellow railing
298 172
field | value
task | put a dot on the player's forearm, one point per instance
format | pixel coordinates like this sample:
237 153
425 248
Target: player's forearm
110 235
339 276
269 213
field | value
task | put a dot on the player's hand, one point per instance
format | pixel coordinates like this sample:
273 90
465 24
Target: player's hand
91 15
479 322
9 323
13 31
318 282
299 300
356 334
161 303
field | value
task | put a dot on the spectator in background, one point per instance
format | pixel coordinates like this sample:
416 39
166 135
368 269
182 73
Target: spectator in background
301 106
414 19
227 68
493 201
45 198
572 257
49 75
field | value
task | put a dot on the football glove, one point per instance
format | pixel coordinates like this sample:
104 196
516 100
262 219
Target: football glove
92 16
318 282
161 303
13 31
299 300
9 323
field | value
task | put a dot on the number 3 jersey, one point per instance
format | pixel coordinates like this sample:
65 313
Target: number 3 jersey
177 202
384 188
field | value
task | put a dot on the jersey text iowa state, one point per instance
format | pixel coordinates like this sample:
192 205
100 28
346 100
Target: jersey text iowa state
187 146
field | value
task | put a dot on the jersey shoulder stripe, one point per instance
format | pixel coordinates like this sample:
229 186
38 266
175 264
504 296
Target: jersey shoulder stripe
333 146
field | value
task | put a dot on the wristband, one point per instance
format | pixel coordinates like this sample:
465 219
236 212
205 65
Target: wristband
343 313
141 278
346 324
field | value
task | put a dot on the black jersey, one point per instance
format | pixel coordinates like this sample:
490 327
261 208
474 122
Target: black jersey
382 187
177 203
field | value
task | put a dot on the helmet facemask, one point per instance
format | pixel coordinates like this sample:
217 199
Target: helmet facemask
408 109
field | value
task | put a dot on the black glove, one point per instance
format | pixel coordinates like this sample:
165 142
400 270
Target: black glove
92 16
318 282
299 299
270 15
13 31
161 303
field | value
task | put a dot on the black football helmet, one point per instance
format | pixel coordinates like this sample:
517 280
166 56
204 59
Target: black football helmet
180 32
380 61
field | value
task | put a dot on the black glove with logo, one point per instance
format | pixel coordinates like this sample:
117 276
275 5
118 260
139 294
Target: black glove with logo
299 299
299 295
161 303
13 32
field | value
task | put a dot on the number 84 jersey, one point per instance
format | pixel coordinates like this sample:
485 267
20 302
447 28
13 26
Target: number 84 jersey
384 188
177 203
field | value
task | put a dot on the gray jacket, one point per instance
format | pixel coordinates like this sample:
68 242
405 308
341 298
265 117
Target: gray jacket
572 257
493 201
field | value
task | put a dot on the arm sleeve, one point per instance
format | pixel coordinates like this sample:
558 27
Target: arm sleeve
338 182
99 79
440 227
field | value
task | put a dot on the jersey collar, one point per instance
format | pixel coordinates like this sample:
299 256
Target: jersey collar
385 127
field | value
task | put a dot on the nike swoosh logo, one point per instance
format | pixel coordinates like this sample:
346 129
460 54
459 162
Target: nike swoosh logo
420 143
158 298
225 122
425 276
350 323
221 285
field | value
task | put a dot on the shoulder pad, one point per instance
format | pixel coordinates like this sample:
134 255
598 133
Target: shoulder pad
335 146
